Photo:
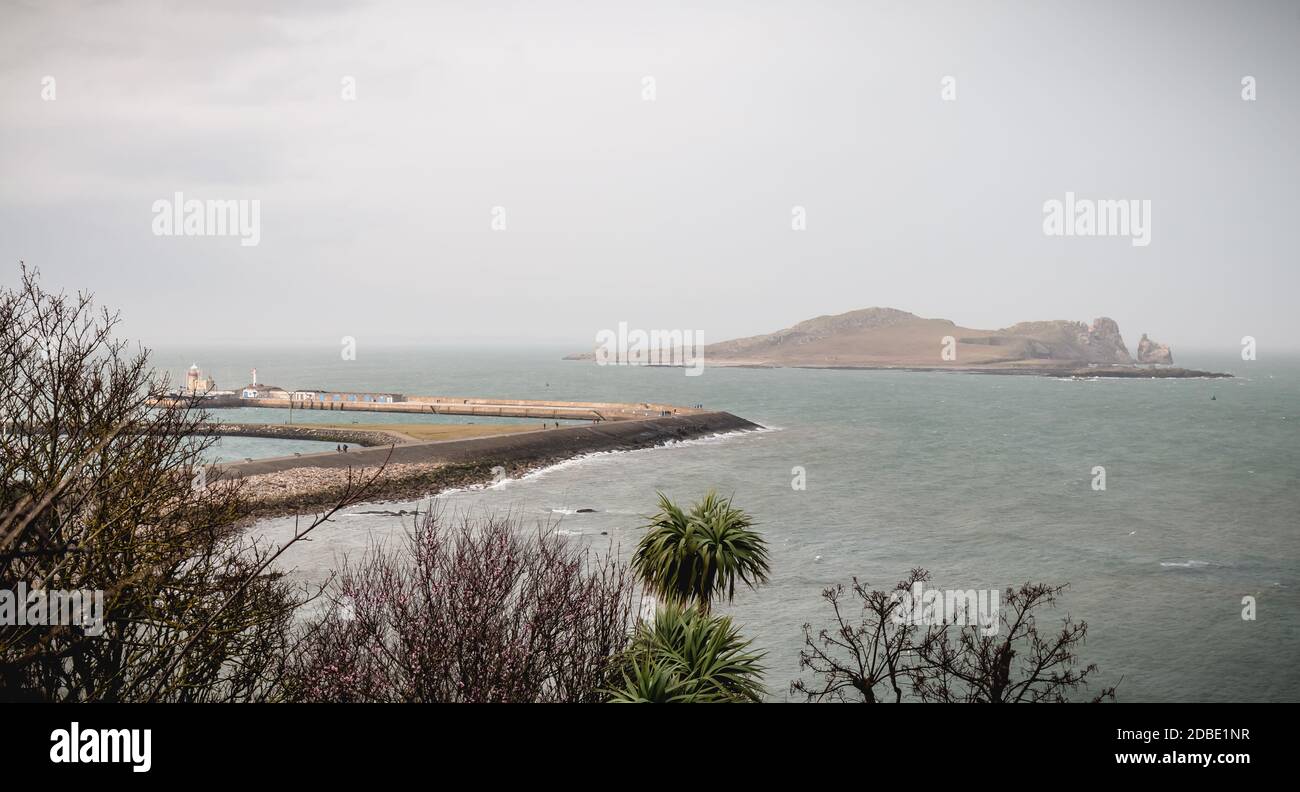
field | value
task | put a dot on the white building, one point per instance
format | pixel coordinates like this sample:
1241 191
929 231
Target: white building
257 390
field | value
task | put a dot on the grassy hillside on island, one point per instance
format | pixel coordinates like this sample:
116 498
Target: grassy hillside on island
874 337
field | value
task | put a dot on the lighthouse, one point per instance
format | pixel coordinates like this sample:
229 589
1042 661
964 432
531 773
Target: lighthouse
197 382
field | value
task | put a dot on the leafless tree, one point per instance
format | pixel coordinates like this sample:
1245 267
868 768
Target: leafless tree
1018 664
862 657
871 656
103 489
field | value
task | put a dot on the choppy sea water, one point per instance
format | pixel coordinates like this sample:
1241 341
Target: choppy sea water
984 480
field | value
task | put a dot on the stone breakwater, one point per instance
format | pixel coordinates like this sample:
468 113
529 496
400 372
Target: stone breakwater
312 489
310 483
481 407
328 434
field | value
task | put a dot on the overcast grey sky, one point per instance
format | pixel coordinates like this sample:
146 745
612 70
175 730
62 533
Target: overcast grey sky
673 213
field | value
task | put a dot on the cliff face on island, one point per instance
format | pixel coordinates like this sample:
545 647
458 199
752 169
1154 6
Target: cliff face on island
1060 340
1151 352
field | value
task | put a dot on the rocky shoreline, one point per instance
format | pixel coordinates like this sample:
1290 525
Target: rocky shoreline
312 490
1130 372
1065 372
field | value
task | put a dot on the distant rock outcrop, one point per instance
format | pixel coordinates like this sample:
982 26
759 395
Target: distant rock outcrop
1104 343
1151 352
1099 342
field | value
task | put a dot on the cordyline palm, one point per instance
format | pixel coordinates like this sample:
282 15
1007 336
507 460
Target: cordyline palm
646 681
688 656
694 557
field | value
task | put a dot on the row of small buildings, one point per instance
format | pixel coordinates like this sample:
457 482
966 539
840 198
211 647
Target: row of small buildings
321 396
196 383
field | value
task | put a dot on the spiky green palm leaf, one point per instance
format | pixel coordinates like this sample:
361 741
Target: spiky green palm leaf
648 682
698 556
688 655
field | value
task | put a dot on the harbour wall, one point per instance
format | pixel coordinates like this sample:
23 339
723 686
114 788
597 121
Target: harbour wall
526 449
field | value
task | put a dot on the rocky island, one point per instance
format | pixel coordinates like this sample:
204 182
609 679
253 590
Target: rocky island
887 338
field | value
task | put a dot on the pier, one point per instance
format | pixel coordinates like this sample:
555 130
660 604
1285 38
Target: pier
539 409
415 470
515 448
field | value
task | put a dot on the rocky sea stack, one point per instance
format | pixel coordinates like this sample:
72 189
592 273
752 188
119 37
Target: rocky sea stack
1151 352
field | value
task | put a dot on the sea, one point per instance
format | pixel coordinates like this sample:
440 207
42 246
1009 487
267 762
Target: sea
986 481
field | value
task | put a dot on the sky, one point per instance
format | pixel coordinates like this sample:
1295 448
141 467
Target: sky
493 172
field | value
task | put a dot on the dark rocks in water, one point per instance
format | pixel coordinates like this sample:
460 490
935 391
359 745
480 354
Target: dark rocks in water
1137 372
586 511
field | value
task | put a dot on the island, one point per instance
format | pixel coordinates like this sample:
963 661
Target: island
888 338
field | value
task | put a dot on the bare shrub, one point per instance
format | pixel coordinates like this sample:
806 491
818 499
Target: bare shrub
479 610
1020 664
864 657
